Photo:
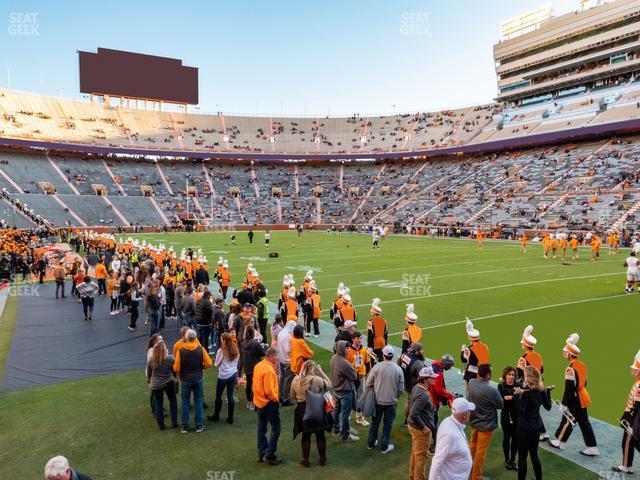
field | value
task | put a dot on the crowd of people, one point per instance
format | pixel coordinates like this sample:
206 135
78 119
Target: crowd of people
229 330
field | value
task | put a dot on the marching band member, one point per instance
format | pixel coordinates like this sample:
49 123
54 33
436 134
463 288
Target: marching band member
377 334
314 309
286 283
225 278
412 333
346 311
474 354
575 401
289 310
531 358
629 442
335 307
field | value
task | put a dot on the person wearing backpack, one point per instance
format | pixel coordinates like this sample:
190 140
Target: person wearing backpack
309 388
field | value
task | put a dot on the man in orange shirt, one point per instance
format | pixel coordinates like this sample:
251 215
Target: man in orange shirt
563 245
265 398
595 247
101 277
523 243
573 243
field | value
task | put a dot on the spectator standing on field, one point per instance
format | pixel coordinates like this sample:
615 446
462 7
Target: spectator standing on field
484 419
421 422
343 378
387 380
452 460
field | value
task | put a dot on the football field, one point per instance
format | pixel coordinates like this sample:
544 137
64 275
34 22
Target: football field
103 423
501 289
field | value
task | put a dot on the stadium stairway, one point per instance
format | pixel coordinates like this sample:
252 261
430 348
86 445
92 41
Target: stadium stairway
254 179
21 220
160 212
164 179
113 177
56 168
118 213
69 210
239 206
11 181
369 192
617 225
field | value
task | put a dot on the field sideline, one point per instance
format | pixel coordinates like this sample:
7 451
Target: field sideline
503 289
104 426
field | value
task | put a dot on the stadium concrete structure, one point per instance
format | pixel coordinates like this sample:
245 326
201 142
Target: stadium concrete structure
557 149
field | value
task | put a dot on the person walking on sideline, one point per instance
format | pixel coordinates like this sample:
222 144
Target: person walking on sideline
59 275
87 291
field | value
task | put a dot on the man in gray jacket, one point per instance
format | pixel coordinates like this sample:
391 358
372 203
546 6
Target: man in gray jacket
387 381
343 378
484 419
421 422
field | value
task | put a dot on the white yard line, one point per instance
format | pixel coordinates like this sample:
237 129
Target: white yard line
494 287
524 310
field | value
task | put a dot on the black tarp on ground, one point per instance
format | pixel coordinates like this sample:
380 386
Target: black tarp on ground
52 343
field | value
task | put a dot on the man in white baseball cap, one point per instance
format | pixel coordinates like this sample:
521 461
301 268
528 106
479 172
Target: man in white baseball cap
452 460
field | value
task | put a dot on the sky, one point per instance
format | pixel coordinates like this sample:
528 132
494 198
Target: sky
335 57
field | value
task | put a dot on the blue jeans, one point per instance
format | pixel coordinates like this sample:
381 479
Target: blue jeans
154 321
389 414
341 412
229 384
269 414
198 393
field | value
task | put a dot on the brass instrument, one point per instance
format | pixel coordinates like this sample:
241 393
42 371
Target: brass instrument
565 412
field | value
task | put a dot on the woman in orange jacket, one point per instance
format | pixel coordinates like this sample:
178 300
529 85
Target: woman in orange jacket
300 351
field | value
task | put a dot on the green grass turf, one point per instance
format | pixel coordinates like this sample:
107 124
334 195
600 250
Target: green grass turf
104 425
463 282
7 324
106 429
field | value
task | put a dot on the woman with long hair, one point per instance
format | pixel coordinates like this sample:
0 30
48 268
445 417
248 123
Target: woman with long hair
134 300
161 379
227 363
152 342
532 396
311 378
509 416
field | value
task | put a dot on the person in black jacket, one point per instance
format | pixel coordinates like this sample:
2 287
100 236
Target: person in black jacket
201 276
245 295
252 353
509 416
204 318
531 397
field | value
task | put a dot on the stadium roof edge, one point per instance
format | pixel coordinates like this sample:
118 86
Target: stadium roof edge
624 127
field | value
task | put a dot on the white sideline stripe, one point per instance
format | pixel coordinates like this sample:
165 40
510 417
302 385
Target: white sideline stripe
524 310
494 287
